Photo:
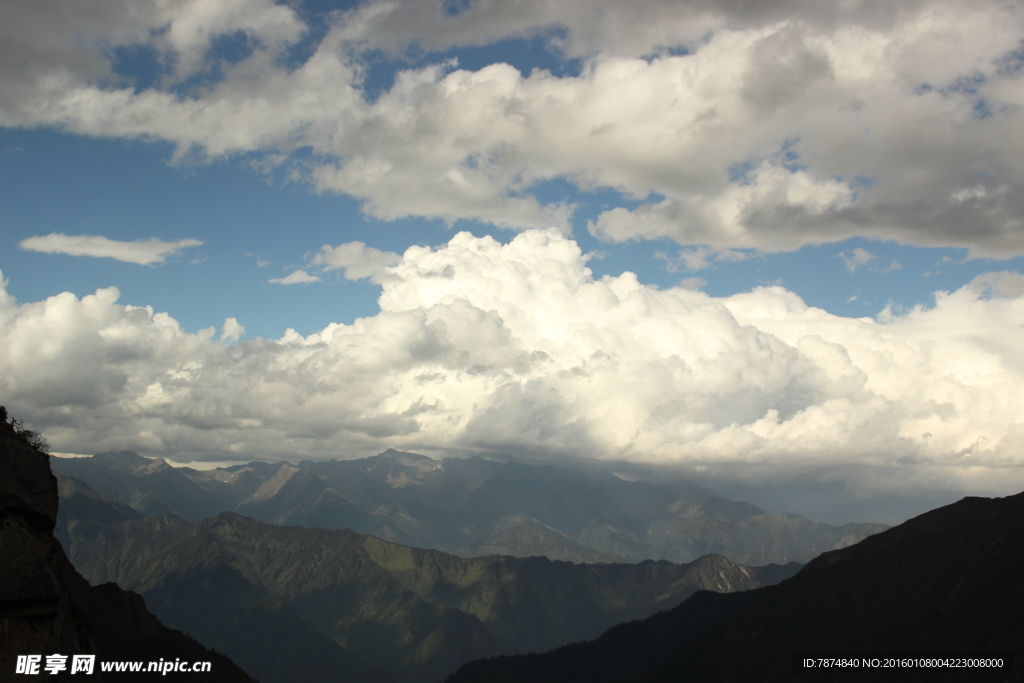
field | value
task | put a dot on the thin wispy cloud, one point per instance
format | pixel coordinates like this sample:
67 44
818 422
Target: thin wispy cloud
355 259
260 261
299 277
693 283
142 252
700 258
859 258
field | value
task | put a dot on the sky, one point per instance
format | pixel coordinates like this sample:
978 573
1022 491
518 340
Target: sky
777 244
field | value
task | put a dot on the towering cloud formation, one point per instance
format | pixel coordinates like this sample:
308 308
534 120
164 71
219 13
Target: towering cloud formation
484 346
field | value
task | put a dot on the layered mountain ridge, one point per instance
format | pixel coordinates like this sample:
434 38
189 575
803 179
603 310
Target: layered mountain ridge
471 506
943 585
376 610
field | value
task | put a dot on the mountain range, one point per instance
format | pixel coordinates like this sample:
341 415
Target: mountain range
344 606
472 506
321 604
943 584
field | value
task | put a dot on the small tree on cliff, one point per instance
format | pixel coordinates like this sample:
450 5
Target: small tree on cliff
34 439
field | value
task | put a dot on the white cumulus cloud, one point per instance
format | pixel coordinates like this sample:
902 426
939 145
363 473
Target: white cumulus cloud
483 346
232 331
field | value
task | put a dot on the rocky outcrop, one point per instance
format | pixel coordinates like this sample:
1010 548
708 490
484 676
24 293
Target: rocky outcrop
38 614
46 607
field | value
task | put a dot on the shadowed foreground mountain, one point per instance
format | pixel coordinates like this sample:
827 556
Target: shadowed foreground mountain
356 608
945 582
473 506
48 608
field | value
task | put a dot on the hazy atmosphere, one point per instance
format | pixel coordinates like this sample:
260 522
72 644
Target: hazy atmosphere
772 246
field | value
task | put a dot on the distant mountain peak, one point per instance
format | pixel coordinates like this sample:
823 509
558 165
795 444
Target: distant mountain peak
407 458
521 535
273 486
131 462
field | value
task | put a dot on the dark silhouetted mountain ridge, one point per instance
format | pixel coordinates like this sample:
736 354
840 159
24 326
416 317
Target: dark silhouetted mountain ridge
945 582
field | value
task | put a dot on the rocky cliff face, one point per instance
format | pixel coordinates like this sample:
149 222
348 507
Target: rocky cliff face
39 616
47 607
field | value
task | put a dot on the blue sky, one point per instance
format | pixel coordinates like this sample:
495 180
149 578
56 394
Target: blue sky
126 190
821 205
